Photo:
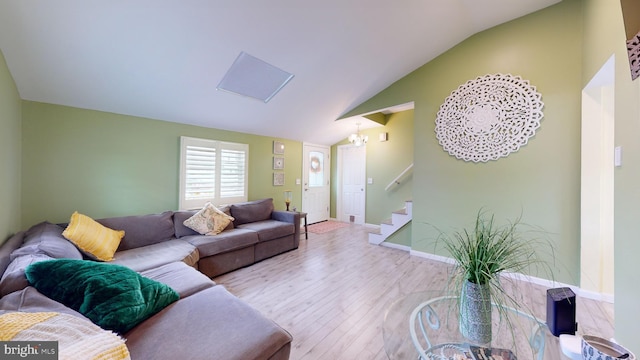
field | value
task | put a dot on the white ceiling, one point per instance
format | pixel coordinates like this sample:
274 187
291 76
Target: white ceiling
163 59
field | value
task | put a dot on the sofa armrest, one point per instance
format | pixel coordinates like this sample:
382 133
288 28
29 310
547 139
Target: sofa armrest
290 217
7 248
286 216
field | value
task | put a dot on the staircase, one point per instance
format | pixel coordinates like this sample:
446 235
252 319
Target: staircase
398 219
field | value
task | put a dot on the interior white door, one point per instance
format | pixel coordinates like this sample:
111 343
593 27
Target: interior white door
352 169
316 176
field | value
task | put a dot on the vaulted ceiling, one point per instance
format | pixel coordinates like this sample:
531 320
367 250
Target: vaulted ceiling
163 59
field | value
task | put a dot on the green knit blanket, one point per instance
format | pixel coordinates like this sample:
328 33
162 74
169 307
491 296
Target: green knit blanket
112 296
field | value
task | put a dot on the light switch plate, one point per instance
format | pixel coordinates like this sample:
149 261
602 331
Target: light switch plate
617 158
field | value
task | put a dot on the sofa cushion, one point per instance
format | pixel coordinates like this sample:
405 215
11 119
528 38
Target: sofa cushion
14 279
150 256
46 238
76 338
30 300
223 242
180 277
270 229
208 221
143 229
178 222
94 240
226 328
113 297
251 211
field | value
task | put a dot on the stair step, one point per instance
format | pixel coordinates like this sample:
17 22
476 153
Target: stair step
376 239
388 227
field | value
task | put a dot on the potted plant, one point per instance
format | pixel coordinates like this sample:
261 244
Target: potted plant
481 254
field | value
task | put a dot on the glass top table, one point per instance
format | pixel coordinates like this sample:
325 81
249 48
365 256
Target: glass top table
424 325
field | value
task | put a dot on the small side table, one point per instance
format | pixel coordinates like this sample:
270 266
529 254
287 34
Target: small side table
303 215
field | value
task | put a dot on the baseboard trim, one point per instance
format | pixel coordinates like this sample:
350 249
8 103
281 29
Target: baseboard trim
435 257
609 298
395 246
372 226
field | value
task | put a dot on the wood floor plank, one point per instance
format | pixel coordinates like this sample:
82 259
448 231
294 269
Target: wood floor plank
332 293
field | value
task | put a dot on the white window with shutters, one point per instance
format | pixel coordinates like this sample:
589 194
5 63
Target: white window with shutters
211 170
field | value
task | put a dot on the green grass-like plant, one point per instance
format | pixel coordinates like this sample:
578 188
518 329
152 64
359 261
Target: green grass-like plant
483 253
487 250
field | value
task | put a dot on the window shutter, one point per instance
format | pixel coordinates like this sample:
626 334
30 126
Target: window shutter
213 171
232 173
200 175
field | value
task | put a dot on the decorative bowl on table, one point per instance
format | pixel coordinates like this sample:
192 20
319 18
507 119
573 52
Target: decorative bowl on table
596 348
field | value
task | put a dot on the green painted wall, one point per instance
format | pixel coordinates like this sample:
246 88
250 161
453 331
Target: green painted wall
604 35
385 161
104 164
542 179
10 158
401 237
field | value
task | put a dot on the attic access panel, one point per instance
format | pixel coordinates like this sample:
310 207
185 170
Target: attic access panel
255 78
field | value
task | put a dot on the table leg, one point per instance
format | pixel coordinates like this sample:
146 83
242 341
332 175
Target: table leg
306 233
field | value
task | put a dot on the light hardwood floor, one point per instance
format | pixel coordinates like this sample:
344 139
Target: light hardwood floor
332 292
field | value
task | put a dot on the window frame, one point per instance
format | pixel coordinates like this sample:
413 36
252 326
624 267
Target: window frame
217 199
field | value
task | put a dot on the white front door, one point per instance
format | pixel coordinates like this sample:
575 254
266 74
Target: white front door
352 170
316 167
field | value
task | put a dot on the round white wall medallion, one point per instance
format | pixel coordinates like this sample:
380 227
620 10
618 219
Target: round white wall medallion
489 117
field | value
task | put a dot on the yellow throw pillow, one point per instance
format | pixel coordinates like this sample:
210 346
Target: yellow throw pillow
208 221
93 238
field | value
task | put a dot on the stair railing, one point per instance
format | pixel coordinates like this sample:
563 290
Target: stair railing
396 181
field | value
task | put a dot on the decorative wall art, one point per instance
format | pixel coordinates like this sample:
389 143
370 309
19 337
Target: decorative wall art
278 179
489 117
632 34
278 163
633 49
278 147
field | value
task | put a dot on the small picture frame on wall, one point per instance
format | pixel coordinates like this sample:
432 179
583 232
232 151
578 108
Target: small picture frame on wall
278 179
278 163
278 147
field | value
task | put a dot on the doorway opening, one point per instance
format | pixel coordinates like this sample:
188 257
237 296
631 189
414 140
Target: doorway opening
597 183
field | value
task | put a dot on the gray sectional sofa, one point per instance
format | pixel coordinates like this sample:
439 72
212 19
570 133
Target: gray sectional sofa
207 322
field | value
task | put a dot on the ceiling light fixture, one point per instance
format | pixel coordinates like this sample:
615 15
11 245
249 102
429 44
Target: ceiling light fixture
252 77
357 139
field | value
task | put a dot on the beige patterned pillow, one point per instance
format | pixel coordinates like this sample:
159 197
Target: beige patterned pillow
208 221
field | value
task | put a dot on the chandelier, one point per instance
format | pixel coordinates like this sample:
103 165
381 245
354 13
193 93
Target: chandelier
357 139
